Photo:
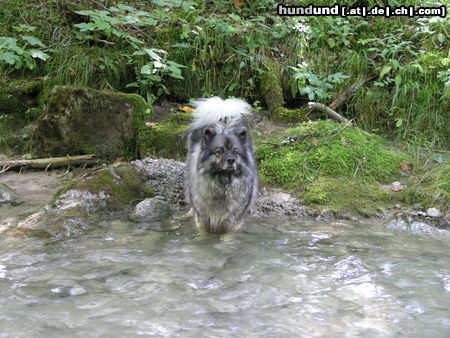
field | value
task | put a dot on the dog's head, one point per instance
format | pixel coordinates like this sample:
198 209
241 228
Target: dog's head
224 150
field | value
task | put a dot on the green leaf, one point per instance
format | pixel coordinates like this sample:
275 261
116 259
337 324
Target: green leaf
86 12
440 158
384 71
181 45
176 76
417 66
139 52
395 64
9 57
126 8
132 84
37 54
399 122
147 69
86 26
174 64
102 25
441 37
33 41
152 53
398 80
149 21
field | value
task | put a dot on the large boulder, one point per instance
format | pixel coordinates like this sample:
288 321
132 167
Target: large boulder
80 120
79 206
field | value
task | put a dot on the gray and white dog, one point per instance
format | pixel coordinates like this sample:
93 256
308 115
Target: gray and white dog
221 174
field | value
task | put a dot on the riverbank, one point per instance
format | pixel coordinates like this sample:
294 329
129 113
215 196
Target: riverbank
56 205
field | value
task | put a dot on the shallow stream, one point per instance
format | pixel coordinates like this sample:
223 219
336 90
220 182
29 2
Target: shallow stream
280 277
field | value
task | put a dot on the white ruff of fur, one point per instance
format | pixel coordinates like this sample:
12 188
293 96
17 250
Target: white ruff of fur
210 111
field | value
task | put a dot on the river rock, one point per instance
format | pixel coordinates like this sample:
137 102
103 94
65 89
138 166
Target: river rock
166 177
150 207
433 212
82 203
277 203
8 196
409 224
80 120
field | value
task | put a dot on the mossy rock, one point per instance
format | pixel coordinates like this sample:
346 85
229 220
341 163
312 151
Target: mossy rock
345 197
123 182
271 88
81 120
166 138
83 202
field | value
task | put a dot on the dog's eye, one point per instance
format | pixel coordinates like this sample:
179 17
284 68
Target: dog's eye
219 151
235 152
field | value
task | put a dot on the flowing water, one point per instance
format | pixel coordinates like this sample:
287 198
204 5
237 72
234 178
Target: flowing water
280 277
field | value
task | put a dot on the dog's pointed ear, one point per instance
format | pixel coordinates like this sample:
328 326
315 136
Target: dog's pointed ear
242 135
208 135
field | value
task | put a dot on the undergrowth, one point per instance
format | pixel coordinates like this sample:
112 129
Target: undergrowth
175 49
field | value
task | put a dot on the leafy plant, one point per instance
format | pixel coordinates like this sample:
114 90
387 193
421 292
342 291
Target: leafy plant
118 23
151 75
305 82
21 54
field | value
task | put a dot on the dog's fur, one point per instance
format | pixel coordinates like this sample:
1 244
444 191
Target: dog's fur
221 175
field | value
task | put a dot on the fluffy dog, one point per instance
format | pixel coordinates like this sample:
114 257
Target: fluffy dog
221 174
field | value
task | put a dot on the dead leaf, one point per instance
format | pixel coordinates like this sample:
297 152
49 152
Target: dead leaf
151 124
398 187
267 132
119 159
238 3
186 109
406 165
315 142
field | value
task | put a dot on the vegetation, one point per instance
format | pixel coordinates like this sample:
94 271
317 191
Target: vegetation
177 50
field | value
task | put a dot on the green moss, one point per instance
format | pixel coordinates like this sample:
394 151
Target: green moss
272 89
290 115
325 148
346 197
32 88
180 118
163 140
11 104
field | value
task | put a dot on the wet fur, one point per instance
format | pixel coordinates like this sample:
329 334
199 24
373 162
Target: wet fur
221 175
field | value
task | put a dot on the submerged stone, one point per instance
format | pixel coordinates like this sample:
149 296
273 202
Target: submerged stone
433 212
81 120
8 196
149 208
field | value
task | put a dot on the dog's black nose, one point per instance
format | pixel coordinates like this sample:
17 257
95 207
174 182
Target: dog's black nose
231 159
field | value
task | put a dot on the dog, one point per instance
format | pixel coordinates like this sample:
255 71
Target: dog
221 174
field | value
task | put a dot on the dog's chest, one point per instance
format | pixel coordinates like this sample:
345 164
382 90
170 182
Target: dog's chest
216 194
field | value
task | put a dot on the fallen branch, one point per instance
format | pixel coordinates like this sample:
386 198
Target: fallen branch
49 163
339 101
330 112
